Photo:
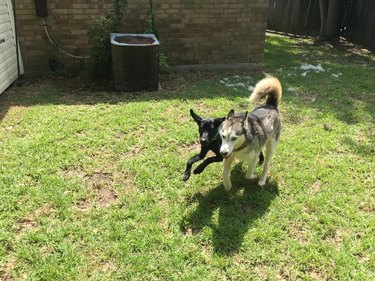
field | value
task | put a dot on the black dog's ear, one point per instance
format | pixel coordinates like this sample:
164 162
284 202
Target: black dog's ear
196 118
218 121
230 113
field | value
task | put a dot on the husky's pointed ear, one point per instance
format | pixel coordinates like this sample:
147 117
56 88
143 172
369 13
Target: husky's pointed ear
196 118
230 113
218 121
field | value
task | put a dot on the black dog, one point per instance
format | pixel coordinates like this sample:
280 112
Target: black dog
209 140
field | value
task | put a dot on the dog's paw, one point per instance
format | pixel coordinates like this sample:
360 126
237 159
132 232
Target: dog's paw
251 177
262 182
227 186
186 177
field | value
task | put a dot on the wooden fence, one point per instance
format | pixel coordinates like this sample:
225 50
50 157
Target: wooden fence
302 17
359 26
299 17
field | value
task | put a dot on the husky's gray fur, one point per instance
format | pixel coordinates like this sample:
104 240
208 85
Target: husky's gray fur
245 134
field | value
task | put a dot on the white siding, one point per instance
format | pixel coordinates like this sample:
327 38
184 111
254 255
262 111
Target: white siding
8 56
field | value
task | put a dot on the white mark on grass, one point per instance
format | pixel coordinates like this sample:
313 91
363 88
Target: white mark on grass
337 75
315 68
309 67
238 82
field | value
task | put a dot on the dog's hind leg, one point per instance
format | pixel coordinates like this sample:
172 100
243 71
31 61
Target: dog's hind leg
253 157
271 145
207 162
226 173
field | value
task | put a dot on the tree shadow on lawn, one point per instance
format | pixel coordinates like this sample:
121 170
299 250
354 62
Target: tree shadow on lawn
237 211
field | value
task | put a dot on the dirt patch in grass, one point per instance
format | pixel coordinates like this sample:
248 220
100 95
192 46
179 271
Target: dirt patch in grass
125 180
298 231
6 269
99 179
315 275
107 266
368 207
132 151
103 198
29 222
26 224
101 184
315 187
106 197
83 205
335 238
73 172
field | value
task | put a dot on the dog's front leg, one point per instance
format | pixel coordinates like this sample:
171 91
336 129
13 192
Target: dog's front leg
191 161
226 173
207 162
253 157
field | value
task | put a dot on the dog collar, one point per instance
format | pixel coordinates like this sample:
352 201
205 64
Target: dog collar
242 146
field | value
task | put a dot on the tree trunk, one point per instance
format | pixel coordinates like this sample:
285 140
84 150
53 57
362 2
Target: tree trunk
331 15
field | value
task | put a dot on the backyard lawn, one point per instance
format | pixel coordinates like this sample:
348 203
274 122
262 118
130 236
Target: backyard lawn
91 179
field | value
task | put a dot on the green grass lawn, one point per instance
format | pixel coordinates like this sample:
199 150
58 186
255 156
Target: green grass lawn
91 180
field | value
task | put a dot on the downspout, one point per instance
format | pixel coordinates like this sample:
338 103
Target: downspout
57 46
16 39
42 12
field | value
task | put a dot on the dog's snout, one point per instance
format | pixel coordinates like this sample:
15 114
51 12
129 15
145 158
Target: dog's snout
224 153
204 140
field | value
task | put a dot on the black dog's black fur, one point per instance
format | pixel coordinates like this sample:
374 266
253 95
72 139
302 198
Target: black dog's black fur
209 140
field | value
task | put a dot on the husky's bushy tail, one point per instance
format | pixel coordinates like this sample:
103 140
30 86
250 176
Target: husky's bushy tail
270 87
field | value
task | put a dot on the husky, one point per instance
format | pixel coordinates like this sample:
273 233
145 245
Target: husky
244 134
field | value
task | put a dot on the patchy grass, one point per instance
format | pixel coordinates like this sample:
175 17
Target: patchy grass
91 180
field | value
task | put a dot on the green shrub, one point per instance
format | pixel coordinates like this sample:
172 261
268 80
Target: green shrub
151 28
99 33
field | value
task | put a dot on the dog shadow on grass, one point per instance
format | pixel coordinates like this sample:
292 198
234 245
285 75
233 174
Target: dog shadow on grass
237 210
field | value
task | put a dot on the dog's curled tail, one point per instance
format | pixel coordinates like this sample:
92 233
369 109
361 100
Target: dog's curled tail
270 87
